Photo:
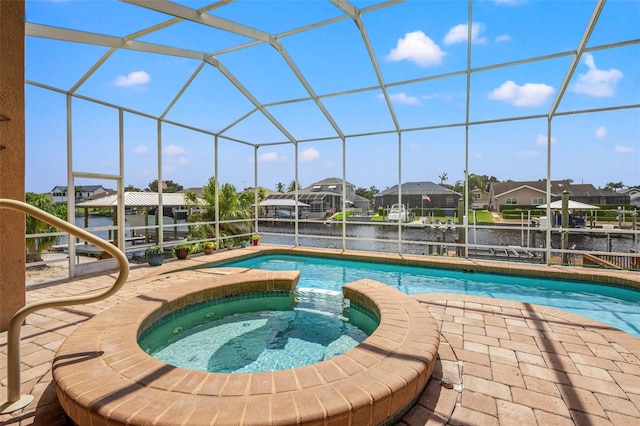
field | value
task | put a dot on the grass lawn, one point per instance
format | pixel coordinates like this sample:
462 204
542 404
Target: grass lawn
482 216
338 216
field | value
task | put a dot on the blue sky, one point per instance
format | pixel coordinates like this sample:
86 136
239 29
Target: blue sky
420 49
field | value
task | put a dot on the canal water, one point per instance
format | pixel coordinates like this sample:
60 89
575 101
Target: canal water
362 236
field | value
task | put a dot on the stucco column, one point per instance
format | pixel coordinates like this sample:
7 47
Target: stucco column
12 157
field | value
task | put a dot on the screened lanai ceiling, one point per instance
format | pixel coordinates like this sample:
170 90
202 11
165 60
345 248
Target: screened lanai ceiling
411 82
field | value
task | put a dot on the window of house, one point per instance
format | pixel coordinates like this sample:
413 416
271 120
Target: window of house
537 201
511 201
476 195
449 200
332 186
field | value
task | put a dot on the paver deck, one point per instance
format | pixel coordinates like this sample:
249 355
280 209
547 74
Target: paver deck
500 362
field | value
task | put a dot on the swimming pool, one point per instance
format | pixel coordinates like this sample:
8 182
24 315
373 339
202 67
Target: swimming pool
616 306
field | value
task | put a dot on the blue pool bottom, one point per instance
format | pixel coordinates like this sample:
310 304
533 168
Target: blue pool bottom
616 306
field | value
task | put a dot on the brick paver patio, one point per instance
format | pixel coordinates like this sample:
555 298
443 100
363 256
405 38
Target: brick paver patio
500 362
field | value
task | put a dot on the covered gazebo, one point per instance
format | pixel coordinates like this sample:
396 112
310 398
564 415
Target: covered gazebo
141 211
573 205
282 204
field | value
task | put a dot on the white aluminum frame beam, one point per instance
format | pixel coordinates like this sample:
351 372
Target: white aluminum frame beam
556 102
193 15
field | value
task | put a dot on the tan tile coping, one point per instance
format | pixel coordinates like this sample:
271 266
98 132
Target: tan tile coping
103 377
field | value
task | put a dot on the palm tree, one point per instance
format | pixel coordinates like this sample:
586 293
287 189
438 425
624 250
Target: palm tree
476 181
280 187
247 197
232 206
293 185
443 178
488 180
35 246
614 186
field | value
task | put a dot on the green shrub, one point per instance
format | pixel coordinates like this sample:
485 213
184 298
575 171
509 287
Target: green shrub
155 249
517 214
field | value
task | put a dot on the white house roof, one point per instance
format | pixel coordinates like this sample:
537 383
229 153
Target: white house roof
573 205
542 191
138 199
83 188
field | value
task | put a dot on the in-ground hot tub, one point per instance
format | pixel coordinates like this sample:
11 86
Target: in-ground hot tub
102 376
255 332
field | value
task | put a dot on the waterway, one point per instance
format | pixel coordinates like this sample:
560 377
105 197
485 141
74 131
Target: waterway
368 237
377 237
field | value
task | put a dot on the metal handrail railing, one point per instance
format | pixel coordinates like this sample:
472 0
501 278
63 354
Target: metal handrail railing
14 400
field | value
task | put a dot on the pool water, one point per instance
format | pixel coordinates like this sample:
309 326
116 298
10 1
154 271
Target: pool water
265 331
616 306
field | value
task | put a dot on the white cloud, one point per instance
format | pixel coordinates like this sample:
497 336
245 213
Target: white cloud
173 164
309 154
417 47
141 149
133 79
528 153
601 132
527 95
595 82
623 149
173 150
403 98
503 38
458 34
268 157
542 140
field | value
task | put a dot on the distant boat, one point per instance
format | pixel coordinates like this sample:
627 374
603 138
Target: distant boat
283 214
397 213
442 226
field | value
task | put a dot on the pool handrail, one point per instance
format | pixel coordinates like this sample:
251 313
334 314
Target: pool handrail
15 401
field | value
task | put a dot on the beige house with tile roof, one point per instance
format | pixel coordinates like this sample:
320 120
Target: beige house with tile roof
512 194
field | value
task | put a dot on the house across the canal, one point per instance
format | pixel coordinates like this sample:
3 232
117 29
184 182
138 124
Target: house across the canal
424 195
